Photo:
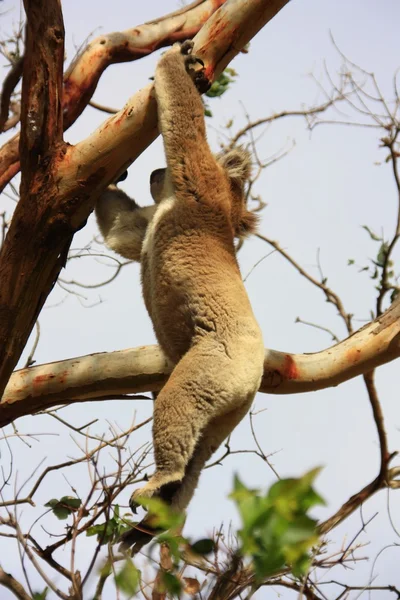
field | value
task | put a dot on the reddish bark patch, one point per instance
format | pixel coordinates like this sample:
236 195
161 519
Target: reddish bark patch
62 376
290 370
39 379
353 355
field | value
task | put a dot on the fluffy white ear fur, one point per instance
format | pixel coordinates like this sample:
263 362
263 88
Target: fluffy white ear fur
237 163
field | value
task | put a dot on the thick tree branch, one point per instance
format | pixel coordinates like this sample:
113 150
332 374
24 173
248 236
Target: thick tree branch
84 73
34 233
41 100
124 136
102 376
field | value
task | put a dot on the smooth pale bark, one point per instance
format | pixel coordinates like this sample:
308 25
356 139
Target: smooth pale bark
105 375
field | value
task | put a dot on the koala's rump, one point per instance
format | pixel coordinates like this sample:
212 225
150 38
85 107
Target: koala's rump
200 295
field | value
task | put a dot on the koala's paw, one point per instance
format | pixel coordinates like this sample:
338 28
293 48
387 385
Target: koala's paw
165 491
195 67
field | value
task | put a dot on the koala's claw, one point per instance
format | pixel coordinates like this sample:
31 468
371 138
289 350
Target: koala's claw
133 505
191 59
196 69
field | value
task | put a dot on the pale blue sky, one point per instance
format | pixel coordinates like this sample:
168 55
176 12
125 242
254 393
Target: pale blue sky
318 197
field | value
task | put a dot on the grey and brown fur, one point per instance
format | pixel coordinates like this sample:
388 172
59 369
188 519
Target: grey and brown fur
192 285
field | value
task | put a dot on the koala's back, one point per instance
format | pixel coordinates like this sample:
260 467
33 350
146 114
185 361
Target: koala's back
188 256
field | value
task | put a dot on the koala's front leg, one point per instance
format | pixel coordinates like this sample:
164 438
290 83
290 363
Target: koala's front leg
122 222
180 109
191 165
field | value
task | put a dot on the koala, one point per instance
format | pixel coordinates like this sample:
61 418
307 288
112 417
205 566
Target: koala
191 283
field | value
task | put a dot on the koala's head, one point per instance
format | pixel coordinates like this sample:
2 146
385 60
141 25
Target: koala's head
237 166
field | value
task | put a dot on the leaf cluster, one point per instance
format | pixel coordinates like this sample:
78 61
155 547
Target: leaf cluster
64 507
219 87
277 531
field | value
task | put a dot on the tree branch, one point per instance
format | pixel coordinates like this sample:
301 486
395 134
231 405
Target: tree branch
84 73
26 266
9 85
13 585
102 376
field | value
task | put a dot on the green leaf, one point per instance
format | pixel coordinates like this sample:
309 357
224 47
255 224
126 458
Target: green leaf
203 547
372 235
106 532
106 569
174 543
220 85
64 507
350 261
71 502
40 595
276 530
171 583
52 503
127 580
60 511
162 515
95 530
382 254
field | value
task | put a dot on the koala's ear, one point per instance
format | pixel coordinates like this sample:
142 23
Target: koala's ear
248 224
157 176
237 164
122 177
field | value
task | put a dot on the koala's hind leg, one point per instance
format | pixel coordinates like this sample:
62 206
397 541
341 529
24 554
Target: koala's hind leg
203 386
179 495
212 437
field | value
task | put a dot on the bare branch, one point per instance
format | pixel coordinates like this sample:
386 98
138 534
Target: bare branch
106 109
317 326
353 504
384 286
306 113
369 379
330 295
29 361
9 84
13 585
